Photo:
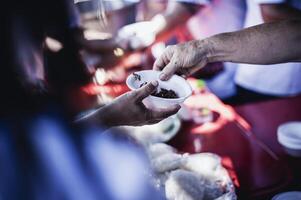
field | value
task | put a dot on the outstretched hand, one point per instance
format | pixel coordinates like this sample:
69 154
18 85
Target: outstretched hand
183 59
128 109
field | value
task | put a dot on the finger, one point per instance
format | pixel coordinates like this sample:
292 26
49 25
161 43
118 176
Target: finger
169 70
146 90
163 60
164 113
159 64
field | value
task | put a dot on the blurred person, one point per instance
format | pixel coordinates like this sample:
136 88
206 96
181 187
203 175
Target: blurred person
30 73
43 153
202 18
246 46
256 83
42 157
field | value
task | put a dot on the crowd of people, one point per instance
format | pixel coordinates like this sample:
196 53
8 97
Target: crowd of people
46 154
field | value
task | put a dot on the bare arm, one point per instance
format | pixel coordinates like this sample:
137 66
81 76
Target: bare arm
264 44
269 43
128 109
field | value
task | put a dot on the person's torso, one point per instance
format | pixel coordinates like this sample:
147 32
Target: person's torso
216 17
279 79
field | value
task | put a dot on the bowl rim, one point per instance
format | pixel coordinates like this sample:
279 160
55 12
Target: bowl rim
285 139
160 98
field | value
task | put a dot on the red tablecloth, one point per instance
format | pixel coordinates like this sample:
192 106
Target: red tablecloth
256 171
265 117
244 137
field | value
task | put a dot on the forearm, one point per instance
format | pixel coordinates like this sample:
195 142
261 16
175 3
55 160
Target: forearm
264 44
99 117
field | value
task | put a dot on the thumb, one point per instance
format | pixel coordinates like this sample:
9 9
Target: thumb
169 70
146 90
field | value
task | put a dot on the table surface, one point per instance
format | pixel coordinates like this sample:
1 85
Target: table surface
245 138
264 119
258 173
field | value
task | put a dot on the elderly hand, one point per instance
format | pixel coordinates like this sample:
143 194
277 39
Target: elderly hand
183 59
128 109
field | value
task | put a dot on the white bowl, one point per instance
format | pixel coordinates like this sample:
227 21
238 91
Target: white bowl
289 136
176 83
163 131
294 195
139 34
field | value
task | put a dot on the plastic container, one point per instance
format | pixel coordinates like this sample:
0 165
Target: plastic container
289 136
178 84
138 34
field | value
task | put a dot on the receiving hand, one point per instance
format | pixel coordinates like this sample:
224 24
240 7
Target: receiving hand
128 109
183 59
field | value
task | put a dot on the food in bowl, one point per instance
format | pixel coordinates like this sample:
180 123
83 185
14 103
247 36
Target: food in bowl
164 93
174 91
137 77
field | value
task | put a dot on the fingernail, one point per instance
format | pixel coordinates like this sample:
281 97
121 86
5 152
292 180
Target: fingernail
163 77
155 83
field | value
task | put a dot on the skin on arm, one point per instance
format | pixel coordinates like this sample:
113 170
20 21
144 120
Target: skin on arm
128 109
269 43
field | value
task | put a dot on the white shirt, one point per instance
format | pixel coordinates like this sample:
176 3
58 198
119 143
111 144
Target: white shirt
217 17
279 79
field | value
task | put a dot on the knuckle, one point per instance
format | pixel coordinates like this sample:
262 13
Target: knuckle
149 88
176 63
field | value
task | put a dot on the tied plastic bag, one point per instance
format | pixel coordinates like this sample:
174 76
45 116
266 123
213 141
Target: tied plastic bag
189 176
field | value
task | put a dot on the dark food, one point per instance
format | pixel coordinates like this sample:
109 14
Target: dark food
142 84
137 77
163 93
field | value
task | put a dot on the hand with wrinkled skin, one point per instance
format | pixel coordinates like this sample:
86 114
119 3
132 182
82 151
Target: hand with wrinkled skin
183 59
282 39
128 109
